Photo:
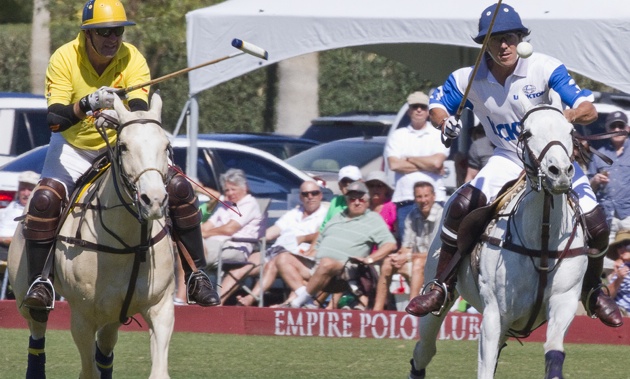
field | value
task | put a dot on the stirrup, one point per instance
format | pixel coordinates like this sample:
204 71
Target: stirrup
199 272
428 287
48 283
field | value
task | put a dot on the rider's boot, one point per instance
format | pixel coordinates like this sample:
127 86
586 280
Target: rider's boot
596 302
466 199
186 217
40 227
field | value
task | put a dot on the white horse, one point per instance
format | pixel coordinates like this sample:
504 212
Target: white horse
518 289
120 221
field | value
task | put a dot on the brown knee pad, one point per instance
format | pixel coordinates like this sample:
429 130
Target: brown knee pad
597 229
466 199
183 203
44 211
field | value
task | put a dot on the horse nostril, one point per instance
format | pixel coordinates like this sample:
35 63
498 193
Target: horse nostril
165 200
554 170
570 171
145 199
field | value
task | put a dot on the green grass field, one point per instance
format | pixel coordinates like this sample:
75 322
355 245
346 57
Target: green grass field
229 356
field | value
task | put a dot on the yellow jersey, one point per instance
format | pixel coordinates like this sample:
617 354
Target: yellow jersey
70 76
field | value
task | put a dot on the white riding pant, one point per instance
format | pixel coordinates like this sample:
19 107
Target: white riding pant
500 169
66 163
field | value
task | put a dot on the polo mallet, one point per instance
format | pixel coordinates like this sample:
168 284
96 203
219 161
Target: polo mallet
244 47
447 142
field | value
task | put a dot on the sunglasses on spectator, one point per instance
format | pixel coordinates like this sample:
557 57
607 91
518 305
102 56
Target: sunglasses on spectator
375 185
353 198
312 193
106 32
421 106
617 126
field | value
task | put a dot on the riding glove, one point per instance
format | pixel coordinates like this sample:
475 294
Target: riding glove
452 127
101 98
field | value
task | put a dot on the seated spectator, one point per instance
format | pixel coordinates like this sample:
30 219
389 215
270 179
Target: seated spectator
381 198
294 232
26 183
421 226
347 239
226 223
619 279
347 175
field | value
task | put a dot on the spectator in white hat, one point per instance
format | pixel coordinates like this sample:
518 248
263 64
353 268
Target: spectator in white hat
415 154
347 175
26 183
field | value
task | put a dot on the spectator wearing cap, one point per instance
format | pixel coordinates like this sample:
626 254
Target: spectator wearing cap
415 153
611 182
347 175
347 239
619 279
26 183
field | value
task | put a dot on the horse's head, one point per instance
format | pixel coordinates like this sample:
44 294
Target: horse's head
547 145
142 152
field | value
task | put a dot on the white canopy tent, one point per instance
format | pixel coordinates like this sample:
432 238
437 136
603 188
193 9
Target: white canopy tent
434 38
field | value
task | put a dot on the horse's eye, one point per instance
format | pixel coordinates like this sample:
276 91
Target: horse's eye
123 148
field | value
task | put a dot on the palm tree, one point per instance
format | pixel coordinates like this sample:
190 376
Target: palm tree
40 45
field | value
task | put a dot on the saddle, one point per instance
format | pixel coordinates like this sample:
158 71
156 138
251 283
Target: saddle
476 222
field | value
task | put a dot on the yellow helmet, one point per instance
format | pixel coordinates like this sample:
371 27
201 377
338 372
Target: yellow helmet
104 14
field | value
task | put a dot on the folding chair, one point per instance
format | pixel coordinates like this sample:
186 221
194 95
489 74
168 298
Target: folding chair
364 283
224 267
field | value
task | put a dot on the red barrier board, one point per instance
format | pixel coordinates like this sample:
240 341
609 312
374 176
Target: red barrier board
326 323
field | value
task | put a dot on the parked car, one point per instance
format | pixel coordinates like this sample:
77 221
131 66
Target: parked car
350 124
279 145
23 124
325 160
267 175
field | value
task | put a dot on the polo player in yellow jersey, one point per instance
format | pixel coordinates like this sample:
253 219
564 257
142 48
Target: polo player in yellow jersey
81 78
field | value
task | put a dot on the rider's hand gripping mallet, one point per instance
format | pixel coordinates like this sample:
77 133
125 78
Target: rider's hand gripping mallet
244 47
447 142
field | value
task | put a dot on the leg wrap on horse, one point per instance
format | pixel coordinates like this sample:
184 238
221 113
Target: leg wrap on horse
597 302
40 225
36 368
104 363
466 199
184 211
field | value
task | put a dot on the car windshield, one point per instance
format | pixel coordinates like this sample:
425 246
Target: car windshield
330 157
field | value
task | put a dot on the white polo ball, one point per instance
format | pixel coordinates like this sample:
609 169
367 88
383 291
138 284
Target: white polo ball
524 49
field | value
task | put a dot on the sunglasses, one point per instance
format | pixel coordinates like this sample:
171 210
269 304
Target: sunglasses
421 106
106 32
617 126
509 38
311 193
375 185
353 198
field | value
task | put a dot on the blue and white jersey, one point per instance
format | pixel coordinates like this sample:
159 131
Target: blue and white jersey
539 79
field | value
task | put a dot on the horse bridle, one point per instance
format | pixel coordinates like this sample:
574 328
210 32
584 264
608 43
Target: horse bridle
534 169
129 183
